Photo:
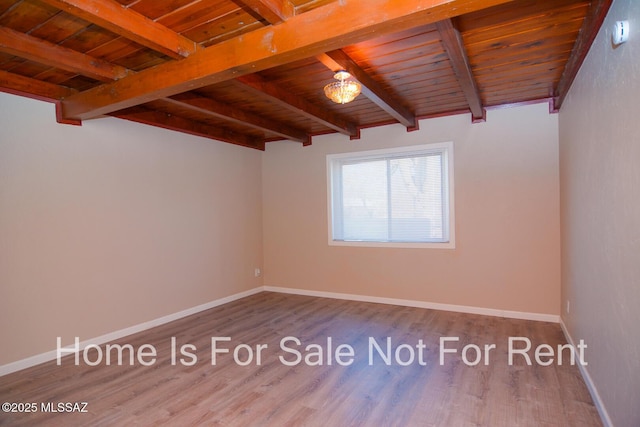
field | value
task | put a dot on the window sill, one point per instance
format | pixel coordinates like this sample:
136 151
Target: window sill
409 245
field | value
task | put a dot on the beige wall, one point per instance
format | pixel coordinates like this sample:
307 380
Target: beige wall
112 224
600 187
507 218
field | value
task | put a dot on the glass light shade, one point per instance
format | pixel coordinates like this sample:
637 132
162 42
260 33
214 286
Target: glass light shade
343 90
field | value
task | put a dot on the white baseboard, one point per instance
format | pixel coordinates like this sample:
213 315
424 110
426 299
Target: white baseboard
541 317
51 355
604 415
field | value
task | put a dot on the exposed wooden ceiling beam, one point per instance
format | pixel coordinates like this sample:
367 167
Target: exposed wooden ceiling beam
338 60
25 86
38 50
52 55
214 108
454 46
273 11
128 23
172 122
591 25
298 105
324 29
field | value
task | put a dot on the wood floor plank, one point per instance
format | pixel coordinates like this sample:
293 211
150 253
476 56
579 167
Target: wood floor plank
364 393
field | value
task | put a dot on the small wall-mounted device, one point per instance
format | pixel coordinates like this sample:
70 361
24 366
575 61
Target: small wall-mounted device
620 32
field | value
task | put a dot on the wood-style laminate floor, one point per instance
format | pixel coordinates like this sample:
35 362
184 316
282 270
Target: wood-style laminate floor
364 393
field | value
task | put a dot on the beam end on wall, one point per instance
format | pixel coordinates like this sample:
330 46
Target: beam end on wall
479 119
63 120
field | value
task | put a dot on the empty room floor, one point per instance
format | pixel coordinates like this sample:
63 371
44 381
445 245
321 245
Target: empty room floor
286 360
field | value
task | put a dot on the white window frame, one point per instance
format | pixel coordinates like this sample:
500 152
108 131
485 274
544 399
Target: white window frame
446 148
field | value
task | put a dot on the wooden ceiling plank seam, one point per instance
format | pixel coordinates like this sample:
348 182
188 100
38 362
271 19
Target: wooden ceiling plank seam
369 58
498 73
420 35
452 42
238 32
430 61
115 54
7 8
26 15
523 58
45 28
217 109
395 59
116 50
154 9
548 46
507 13
180 124
444 93
542 87
89 38
273 11
220 26
188 19
338 60
49 54
130 24
503 77
12 62
326 28
418 74
190 14
297 104
523 39
592 22
523 26
55 75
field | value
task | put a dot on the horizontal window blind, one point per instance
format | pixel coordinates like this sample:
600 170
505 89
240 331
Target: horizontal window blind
391 196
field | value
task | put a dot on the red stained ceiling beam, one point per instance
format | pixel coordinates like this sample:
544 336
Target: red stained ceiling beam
273 11
176 123
129 24
52 55
298 105
210 107
309 34
338 60
453 45
32 88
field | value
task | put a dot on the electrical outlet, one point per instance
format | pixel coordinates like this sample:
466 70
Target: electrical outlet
258 272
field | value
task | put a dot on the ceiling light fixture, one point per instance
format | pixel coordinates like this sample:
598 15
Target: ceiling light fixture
343 90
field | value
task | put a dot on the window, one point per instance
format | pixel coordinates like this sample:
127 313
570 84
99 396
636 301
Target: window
401 197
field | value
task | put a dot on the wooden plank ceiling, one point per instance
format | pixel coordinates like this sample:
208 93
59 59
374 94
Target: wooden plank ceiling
249 72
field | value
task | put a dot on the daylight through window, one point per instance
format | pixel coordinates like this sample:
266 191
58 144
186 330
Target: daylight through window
396 196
